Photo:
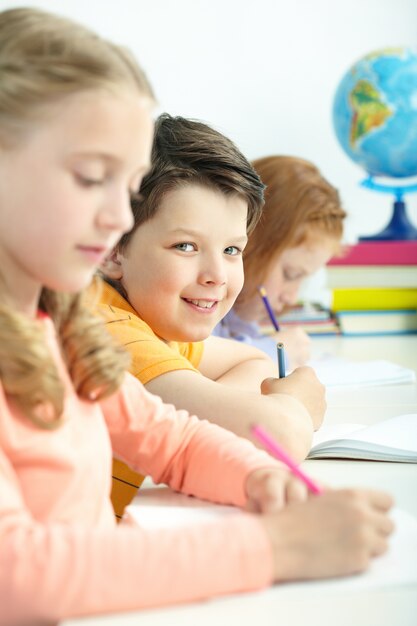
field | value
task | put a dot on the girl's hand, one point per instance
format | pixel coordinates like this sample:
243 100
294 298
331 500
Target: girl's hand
333 534
271 489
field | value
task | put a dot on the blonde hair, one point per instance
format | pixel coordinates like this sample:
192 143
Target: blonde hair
299 204
44 58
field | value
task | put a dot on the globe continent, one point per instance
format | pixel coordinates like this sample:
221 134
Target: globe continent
375 112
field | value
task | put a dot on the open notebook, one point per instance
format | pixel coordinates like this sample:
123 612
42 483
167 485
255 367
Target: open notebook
337 372
393 439
160 508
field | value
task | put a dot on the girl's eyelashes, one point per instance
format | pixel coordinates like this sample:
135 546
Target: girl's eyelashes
292 276
87 181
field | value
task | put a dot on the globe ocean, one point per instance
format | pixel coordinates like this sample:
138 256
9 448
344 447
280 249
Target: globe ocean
375 112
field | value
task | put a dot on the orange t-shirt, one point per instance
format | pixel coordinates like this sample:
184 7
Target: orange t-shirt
150 357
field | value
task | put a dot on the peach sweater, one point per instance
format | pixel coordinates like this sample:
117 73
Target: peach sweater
61 553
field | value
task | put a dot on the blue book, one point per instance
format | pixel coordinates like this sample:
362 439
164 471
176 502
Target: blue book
397 322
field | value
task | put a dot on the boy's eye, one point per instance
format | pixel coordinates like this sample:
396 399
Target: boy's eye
185 247
232 250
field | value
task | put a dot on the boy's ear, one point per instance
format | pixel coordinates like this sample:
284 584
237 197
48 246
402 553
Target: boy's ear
111 266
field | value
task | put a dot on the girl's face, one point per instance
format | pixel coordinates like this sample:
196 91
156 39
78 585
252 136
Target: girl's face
64 191
182 269
286 275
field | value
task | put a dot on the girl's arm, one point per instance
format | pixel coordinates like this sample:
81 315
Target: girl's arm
51 570
188 454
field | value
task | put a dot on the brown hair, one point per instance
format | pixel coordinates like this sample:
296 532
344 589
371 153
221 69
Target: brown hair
299 204
43 59
190 152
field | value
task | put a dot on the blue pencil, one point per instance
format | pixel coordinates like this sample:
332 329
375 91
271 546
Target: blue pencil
281 360
263 294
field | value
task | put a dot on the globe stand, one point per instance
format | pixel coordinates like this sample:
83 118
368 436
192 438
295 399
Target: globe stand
399 228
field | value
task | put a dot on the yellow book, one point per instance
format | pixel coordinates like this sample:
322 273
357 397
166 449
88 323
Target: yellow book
373 299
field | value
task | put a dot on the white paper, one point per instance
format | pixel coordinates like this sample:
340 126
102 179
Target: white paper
338 372
161 508
393 439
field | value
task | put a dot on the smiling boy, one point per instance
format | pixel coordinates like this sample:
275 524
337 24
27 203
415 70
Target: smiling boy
172 278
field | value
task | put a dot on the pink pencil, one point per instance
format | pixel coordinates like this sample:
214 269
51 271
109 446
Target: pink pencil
276 450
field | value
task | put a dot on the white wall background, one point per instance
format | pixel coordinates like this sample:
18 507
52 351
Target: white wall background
262 71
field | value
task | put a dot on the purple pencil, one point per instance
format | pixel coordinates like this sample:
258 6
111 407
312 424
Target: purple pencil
264 296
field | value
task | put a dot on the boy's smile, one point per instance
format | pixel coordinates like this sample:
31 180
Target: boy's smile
207 305
182 269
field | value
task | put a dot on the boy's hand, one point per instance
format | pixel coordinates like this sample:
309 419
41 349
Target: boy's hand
304 385
269 490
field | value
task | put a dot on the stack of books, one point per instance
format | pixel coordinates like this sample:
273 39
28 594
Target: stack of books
374 288
313 318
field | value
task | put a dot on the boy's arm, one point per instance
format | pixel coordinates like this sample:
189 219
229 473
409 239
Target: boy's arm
283 415
235 364
242 366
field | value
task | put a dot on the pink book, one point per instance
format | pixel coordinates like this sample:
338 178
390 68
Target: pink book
379 253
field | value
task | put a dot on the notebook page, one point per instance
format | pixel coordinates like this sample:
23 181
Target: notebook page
399 432
338 372
396 432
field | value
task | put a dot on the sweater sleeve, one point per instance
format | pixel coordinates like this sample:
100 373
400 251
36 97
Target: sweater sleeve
190 455
64 567
53 571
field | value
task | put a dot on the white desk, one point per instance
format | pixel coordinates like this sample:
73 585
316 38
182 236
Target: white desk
287 605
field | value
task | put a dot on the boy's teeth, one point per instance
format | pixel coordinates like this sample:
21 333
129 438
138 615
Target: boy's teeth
202 303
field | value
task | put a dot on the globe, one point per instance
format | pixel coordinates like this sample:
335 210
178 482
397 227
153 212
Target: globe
375 121
375 112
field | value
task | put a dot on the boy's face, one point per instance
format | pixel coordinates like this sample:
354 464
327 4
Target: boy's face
182 269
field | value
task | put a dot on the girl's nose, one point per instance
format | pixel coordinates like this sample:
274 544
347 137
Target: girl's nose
116 212
290 295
